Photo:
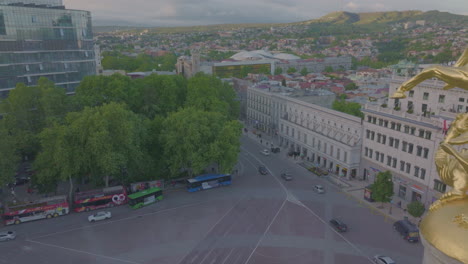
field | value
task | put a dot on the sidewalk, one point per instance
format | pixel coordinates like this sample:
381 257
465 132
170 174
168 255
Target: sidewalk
353 189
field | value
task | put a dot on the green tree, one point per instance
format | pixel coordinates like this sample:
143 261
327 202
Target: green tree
210 94
188 137
225 150
283 82
348 107
245 70
416 209
97 143
291 70
382 188
328 69
99 90
25 118
351 86
304 71
9 157
278 71
158 95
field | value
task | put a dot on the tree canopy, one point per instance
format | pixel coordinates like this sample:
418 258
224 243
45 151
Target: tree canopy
382 188
348 107
416 208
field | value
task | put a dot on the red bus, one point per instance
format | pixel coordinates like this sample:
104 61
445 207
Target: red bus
101 198
43 208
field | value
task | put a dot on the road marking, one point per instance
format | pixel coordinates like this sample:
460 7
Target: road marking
211 229
120 220
227 257
82 252
340 235
286 191
313 213
264 233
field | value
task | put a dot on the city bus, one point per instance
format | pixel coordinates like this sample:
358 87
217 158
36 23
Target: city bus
43 208
208 181
101 198
145 197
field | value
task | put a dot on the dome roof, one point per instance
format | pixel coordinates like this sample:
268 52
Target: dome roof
246 55
286 56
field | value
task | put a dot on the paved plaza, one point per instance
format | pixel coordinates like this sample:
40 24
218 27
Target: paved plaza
258 219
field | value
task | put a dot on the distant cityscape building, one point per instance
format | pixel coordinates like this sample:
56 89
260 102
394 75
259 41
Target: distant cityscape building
258 61
40 38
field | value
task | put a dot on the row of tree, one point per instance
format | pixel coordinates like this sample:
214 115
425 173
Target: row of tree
117 128
142 62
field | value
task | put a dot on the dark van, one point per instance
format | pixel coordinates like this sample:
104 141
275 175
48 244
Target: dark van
408 230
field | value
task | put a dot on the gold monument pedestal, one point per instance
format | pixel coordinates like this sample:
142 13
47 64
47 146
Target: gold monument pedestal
444 234
444 230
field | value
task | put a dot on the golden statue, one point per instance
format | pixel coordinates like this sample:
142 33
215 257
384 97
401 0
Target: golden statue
445 227
456 76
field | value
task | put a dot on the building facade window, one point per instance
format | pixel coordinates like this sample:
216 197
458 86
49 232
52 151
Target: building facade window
397 143
402 165
441 98
408 168
404 146
402 192
394 162
389 161
411 93
440 186
426 96
370 153
416 171
390 141
419 151
410 148
426 153
384 139
422 174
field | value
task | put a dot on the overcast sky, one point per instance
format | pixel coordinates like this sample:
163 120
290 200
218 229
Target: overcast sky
204 12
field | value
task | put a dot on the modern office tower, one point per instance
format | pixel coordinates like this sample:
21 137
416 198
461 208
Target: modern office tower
40 38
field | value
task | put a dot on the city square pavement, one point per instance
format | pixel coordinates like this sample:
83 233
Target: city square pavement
258 219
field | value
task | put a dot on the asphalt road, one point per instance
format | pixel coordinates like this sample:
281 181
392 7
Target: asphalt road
258 219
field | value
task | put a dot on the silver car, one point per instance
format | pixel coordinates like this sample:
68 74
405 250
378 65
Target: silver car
7 235
265 152
319 189
99 216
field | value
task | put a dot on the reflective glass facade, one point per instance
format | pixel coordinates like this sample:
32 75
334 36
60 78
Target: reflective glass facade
51 42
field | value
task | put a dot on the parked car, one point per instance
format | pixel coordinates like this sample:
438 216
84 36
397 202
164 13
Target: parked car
99 216
20 180
319 189
265 152
275 150
262 170
7 235
338 225
383 260
286 176
408 230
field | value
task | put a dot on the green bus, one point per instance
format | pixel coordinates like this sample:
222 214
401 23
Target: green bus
146 197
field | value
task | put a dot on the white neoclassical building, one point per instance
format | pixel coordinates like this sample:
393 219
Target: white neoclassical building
306 124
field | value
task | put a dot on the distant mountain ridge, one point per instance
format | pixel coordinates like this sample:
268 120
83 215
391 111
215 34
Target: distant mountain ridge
334 18
386 17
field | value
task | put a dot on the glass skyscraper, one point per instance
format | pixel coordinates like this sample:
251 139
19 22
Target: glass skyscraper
40 38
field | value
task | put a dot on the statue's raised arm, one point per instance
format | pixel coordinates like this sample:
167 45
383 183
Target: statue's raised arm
456 76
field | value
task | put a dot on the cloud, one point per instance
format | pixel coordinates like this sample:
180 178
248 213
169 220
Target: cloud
351 6
202 12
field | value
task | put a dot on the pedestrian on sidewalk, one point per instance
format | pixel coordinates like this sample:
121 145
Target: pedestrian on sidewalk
30 190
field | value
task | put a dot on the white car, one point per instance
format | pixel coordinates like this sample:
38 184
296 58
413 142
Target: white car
383 260
99 216
319 189
7 235
265 152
